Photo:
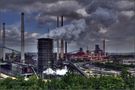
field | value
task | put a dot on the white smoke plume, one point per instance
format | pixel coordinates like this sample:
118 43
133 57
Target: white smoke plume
68 32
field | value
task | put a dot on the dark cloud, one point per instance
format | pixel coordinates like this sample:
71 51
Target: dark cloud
13 37
113 20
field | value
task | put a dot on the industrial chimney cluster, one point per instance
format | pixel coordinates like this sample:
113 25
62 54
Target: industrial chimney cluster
61 44
45 50
46 55
22 41
45 47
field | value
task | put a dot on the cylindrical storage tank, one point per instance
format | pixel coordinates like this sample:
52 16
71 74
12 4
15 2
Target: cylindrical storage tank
45 54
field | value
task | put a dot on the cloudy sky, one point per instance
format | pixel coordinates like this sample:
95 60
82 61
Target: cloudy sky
86 22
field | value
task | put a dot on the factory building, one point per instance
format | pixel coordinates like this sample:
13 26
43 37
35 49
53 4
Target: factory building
97 55
128 61
98 50
45 54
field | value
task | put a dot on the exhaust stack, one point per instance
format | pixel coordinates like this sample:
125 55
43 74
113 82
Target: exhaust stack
58 21
3 41
104 46
66 49
58 45
22 39
62 42
62 49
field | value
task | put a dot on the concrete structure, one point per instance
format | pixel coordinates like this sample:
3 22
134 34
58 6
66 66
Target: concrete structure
66 46
128 61
62 43
62 50
3 42
58 49
104 46
45 54
58 45
22 39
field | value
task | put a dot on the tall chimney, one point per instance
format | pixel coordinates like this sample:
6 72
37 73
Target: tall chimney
48 33
62 49
104 47
22 39
3 41
62 20
62 41
58 45
66 50
58 21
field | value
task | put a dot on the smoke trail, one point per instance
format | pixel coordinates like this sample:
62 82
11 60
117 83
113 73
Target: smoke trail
69 32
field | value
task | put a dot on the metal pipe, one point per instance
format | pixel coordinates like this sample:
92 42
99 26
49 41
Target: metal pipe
22 39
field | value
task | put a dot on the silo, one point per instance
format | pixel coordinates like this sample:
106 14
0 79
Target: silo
45 54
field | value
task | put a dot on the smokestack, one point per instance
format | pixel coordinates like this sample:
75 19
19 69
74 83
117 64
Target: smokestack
66 50
61 20
62 41
104 46
3 41
48 33
62 48
0 42
22 39
58 21
58 45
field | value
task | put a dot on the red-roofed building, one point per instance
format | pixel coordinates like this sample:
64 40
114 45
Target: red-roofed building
92 56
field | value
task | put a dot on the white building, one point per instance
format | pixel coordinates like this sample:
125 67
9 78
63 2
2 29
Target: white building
128 61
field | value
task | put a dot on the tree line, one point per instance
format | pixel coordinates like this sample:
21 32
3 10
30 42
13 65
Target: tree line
72 82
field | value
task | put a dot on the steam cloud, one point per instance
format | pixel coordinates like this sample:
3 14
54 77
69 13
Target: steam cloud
69 32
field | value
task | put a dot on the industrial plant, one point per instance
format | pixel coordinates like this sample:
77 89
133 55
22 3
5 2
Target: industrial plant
55 64
67 44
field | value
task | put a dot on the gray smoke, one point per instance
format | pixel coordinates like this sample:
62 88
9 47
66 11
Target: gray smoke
91 20
69 32
105 20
